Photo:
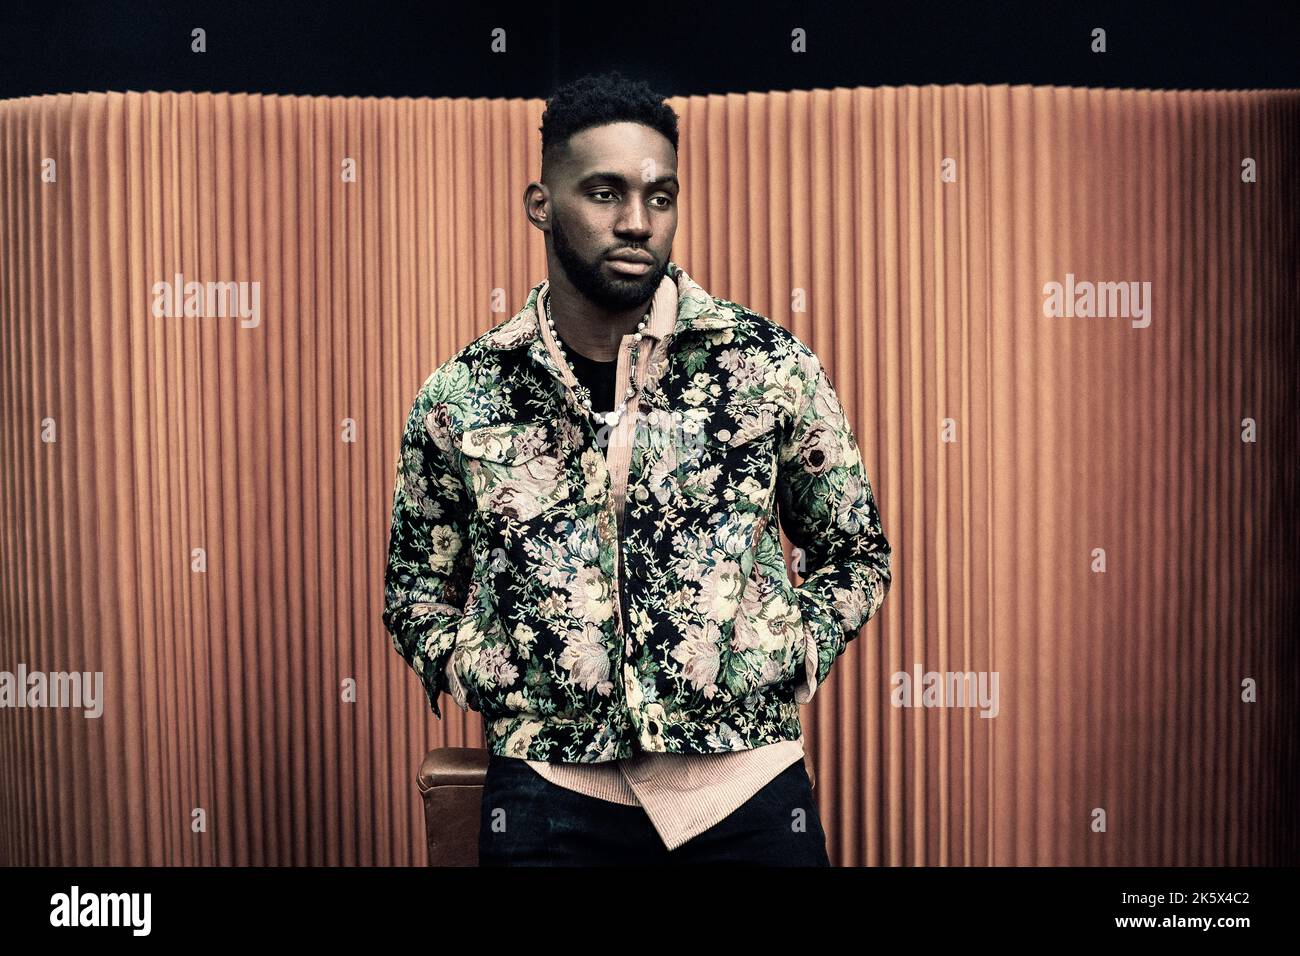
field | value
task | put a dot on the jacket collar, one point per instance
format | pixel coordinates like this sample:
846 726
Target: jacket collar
696 311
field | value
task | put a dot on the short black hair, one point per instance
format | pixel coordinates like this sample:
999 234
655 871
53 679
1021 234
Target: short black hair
597 99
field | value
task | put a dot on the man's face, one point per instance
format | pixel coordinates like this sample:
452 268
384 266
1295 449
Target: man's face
616 193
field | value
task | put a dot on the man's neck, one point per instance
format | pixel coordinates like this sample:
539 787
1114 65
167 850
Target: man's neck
588 329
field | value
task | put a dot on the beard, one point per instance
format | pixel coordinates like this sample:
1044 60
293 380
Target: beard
614 294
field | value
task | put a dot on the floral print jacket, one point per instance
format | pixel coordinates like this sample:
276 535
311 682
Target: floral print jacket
513 585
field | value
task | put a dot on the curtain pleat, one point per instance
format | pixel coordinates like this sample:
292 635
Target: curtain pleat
254 710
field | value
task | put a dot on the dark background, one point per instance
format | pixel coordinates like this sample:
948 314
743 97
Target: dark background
705 46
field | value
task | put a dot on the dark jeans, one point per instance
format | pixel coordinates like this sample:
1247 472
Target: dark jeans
542 824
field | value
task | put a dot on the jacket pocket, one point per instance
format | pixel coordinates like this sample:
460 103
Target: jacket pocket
744 426
731 462
484 660
766 645
514 469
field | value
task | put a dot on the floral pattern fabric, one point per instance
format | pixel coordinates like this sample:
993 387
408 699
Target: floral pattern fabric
505 554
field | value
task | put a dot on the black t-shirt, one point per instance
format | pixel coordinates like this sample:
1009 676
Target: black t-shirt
597 376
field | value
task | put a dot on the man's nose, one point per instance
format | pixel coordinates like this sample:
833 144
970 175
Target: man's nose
634 219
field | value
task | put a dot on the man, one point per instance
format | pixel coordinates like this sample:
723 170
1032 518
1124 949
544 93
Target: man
594 566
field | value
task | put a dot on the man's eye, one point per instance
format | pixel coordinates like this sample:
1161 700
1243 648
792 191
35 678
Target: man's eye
599 191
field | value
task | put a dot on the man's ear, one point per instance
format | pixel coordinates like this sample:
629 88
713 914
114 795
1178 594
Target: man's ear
537 201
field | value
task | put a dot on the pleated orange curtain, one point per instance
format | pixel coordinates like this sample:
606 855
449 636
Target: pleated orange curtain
1098 508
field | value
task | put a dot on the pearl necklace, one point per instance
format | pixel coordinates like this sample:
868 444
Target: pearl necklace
601 418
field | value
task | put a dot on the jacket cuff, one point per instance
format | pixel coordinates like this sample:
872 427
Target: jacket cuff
453 685
434 668
807 686
824 637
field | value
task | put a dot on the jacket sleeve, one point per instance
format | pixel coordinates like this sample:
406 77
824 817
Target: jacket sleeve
828 512
429 561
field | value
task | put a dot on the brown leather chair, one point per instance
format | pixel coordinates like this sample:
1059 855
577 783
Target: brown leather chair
451 784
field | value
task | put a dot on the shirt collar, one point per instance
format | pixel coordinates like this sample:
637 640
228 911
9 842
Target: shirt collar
663 313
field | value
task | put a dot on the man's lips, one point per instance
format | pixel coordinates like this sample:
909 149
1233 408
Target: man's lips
630 268
628 255
632 264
